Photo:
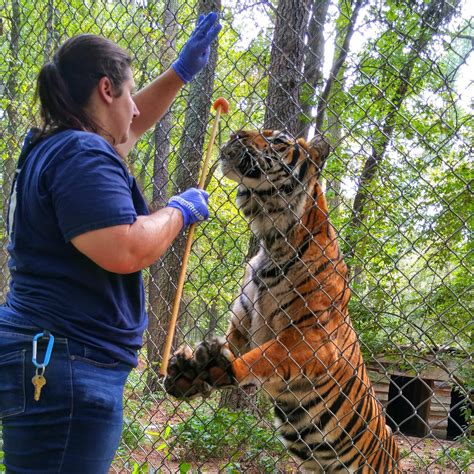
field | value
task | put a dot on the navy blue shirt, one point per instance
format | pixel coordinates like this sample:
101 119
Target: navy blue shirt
70 183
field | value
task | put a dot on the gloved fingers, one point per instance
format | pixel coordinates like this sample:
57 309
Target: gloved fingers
193 204
205 24
202 213
205 195
195 53
211 35
201 192
205 41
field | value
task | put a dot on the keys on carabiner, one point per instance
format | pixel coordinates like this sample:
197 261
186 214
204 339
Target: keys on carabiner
38 381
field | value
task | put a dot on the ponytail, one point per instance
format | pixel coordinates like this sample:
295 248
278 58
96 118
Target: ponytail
58 108
65 85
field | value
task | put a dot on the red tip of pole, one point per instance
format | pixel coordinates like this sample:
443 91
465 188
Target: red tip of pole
223 104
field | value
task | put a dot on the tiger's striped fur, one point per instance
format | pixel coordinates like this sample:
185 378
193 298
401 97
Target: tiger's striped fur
290 331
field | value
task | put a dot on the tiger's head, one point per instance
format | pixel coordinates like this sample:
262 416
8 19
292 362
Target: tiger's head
277 176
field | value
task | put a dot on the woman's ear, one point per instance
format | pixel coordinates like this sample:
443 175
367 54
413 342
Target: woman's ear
105 89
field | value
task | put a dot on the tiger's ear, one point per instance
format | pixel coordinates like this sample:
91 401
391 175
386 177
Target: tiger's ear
320 149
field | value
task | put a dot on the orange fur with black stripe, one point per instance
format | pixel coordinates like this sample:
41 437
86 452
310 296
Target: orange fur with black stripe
290 331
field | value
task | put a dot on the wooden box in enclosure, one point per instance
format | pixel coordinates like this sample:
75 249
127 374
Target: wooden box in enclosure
421 399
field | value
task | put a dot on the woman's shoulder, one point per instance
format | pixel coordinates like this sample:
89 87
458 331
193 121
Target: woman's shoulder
66 145
71 149
83 141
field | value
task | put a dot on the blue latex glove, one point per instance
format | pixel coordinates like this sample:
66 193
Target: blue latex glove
195 53
192 204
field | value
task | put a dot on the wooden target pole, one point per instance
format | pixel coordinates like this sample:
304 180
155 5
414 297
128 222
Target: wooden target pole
221 106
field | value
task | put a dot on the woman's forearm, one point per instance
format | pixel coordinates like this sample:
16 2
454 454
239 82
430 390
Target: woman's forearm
130 248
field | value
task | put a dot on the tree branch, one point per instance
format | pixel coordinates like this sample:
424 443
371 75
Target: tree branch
337 64
314 60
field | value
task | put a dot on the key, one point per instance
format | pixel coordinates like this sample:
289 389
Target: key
38 381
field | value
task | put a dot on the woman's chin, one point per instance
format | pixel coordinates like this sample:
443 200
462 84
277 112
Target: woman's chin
123 139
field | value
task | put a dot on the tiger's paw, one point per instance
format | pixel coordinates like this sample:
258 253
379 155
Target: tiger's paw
197 373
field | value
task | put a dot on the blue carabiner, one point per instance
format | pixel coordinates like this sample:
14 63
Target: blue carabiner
49 349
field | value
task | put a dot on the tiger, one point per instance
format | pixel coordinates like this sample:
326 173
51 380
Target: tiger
290 332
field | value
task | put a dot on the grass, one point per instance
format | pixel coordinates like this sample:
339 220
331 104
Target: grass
208 434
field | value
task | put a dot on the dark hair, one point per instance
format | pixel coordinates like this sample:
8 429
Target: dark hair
66 83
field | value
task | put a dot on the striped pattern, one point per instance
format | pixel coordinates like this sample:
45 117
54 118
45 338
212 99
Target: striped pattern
290 330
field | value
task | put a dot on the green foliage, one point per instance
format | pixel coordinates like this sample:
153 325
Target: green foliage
206 434
462 456
140 468
2 466
137 405
133 435
216 266
413 245
413 253
184 467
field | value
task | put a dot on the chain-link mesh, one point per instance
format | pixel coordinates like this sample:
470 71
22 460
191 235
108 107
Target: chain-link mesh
387 85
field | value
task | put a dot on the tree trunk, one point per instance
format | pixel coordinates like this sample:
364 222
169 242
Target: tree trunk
51 42
240 398
169 25
286 66
213 320
337 65
161 140
331 107
333 189
160 286
164 275
12 140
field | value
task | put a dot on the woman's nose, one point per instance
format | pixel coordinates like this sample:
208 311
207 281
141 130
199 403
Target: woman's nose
136 112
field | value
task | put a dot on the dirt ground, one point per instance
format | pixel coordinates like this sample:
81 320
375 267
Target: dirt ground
424 455
419 456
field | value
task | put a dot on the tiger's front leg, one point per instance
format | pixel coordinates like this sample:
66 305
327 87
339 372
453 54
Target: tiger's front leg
198 372
212 365
192 373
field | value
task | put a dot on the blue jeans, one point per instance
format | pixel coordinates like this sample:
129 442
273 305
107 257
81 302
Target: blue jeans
76 425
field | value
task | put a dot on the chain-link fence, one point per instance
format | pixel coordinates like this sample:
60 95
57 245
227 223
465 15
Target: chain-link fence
387 85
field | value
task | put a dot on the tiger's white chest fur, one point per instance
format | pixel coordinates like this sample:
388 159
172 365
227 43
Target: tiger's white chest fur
263 298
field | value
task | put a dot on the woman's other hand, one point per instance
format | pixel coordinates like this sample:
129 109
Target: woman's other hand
193 204
195 53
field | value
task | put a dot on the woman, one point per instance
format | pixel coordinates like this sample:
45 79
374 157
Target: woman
80 233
